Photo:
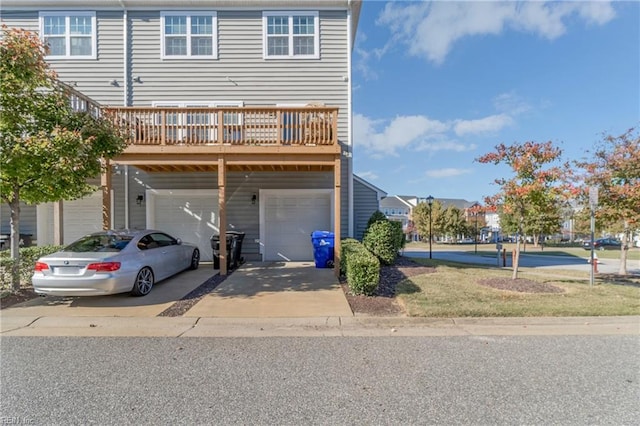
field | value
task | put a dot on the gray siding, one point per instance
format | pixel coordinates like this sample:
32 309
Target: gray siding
27 219
240 58
365 201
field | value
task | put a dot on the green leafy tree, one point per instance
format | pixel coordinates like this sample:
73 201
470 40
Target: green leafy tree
47 151
454 222
615 170
538 178
421 219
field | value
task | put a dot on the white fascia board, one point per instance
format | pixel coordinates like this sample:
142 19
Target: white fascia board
171 4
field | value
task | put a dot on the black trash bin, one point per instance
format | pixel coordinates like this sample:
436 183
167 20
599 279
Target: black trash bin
234 249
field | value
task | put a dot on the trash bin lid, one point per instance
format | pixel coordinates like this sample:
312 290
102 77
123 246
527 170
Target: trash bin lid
322 234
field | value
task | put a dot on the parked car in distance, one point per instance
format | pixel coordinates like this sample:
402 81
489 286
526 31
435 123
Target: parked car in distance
603 244
110 262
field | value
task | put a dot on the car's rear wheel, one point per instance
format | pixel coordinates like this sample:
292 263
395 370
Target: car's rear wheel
195 259
144 282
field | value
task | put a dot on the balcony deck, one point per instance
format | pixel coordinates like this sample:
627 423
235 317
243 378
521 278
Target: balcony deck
250 138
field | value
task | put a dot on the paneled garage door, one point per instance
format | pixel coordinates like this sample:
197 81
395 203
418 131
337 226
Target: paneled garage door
191 215
81 217
289 218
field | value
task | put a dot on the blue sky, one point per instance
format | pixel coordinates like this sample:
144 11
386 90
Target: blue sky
437 84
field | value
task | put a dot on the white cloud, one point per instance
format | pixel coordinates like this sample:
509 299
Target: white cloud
368 175
448 172
401 132
445 146
430 29
510 103
490 124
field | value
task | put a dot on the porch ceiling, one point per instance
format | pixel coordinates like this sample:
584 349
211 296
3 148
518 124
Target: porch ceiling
173 168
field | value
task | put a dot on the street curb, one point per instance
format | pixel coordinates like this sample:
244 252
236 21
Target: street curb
316 326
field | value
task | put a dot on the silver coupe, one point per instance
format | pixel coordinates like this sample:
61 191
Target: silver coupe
110 262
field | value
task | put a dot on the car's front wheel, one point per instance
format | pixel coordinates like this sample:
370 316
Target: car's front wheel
144 282
195 259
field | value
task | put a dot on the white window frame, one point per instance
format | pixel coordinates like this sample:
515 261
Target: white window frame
188 35
290 35
67 35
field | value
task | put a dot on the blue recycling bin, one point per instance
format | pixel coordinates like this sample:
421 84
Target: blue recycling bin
323 248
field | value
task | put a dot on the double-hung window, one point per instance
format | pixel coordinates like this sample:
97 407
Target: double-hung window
291 35
192 35
69 34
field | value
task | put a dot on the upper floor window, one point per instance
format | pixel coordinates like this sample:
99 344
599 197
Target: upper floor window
69 34
189 35
291 35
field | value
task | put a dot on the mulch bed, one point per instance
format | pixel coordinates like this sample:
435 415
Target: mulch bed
20 296
383 303
180 307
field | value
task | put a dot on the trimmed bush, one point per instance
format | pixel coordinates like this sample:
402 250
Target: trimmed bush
377 216
28 258
360 266
381 241
399 240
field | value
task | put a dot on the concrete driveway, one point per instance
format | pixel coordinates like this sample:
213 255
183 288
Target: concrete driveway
269 289
163 295
275 290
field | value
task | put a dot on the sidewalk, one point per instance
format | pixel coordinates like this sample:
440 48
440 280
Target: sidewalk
315 326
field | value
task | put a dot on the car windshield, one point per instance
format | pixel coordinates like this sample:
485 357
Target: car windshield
99 242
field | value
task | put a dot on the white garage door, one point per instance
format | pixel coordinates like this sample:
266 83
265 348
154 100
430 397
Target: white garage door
191 215
81 217
290 216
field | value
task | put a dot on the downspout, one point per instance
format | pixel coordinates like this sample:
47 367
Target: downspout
125 50
349 123
126 196
125 100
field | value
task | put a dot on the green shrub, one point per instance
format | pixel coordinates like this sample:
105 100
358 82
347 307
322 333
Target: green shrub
28 258
381 241
398 236
346 246
377 216
360 266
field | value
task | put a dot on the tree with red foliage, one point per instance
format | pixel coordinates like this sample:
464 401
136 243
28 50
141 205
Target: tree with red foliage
615 170
538 180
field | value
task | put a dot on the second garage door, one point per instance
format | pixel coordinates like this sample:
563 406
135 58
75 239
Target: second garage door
288 217
191 215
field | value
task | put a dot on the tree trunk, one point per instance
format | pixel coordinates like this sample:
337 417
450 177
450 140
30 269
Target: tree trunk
14 205
516 260
625 250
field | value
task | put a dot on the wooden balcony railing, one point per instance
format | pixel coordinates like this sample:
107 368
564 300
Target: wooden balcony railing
260 125
81 102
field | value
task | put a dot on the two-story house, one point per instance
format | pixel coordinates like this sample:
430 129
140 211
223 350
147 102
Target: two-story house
239 115
400 208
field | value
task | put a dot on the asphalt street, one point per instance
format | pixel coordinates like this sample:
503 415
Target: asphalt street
474 380
532 260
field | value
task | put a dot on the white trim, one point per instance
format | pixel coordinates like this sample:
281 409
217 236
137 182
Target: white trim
67 15
350 203
290 36
264 193
188 35
125 56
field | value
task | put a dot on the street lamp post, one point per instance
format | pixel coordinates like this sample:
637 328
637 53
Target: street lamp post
475 238
430 202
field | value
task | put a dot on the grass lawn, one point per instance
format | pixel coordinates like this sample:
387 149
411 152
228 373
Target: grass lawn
453 291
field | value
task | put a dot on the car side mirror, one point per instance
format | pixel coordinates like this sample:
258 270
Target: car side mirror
178 241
